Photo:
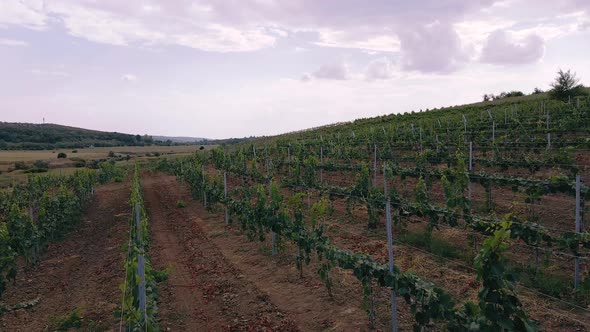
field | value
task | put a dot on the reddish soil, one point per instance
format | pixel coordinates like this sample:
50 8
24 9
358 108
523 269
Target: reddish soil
221 281
204 291
81 272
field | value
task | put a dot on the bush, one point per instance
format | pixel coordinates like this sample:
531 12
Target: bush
502 95
111 154
566 85
94 164
20 165
180 204
61 155
41 164
74 151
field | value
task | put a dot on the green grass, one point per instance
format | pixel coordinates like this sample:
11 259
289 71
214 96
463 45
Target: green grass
66 322
548 283
432 243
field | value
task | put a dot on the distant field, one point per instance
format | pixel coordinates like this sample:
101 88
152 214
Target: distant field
66 165
91 153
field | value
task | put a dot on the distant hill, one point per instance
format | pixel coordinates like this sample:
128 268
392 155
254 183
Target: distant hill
180 139
29 136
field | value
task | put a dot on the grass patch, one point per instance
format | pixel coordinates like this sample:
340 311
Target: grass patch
550 284
436 245
68 321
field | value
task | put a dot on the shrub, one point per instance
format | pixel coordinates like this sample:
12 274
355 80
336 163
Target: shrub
566 85
502 95
41 164
61 155
74 151
20 165
111 154
180 204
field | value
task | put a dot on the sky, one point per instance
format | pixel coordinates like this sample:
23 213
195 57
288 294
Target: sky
235 68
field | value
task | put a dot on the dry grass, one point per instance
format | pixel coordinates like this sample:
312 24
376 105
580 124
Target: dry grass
9 157
65 166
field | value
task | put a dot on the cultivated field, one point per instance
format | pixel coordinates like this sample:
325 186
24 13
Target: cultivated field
473 218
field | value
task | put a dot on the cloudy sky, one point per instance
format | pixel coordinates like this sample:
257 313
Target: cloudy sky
232 68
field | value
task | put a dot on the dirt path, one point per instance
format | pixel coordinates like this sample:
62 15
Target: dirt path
204 291
82 272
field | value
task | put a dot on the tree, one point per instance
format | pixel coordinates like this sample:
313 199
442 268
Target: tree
566 85
514 93
486 97
537 91
61 155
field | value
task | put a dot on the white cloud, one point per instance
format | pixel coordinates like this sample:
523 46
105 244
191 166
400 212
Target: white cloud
502 48
432 47
218 38
341 39
27 13
380 69
13 42
103 27
453 30
336 71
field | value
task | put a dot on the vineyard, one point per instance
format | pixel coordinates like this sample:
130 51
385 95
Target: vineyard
506 182
463 219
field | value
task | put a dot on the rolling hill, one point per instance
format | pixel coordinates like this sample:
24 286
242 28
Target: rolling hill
29 136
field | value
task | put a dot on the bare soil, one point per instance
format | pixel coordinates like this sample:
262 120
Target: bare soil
242 286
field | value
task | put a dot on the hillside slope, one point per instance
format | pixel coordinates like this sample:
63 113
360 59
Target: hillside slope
29 136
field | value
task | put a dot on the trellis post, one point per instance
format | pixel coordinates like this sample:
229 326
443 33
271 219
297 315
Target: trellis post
390 250
225 196
140 264
322 165
375 166
204 191
578 228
